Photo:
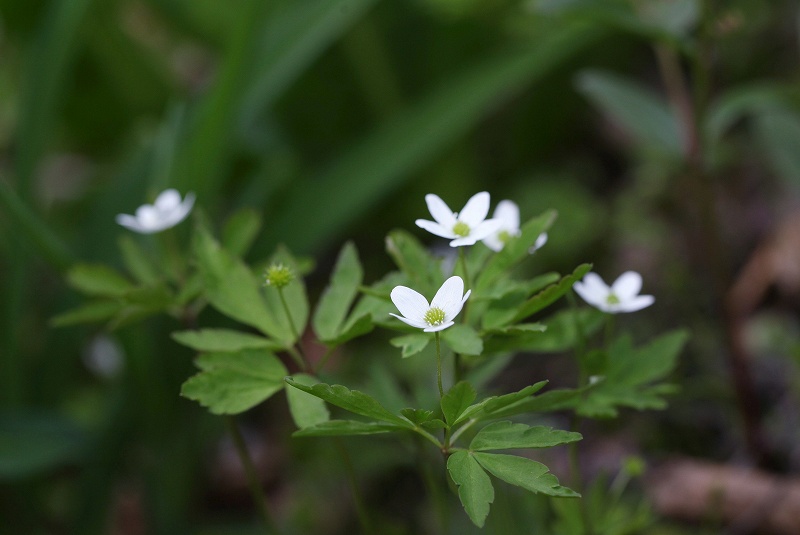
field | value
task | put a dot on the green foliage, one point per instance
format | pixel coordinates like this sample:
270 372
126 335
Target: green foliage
330 320
212 340
507 435
306 410
234 381
475 489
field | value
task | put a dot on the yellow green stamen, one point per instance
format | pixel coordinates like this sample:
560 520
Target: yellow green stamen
434 316
612 299
461 229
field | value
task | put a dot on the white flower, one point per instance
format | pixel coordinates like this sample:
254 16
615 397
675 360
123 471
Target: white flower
437 315
167 211
464 228
507 212
622 296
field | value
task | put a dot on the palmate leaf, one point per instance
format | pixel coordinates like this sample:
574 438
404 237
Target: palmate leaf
475 488
335 428
463 339
507 435
552 293
522 472
630 374
209 340
489 406
240 231
353 401
411 344
560 333
329 317
415 261
456 401
307 410
98 280
233 382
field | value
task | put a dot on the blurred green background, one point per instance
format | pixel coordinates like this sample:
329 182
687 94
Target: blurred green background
666 133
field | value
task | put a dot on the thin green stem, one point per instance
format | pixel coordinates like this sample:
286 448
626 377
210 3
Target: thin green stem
580 338
577 478
439 365
250 471
609 334
463 259
358 499
323 360
296 353
434 491
461 429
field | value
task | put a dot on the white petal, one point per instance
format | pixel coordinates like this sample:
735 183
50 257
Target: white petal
410 303
485 228
148 217
435 228
540 241
627 285
130 222
441 327
475 210
593 285
449 297
419 324
494 243
467 240
168 200
508 213
180 212
637 303
440 211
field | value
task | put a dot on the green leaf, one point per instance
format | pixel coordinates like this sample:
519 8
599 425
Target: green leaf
91 312
551 293
353 328
295 295
560 334
34 442
553 400
417 416
520 328
232 288
463 339
336 299
306 410
778 133
222 340
488 407
474 487
137 262
335 428
645 116
411 343
98 279
232 382
515 250
351 400
456 400
507 435
240 231
524 473
415 261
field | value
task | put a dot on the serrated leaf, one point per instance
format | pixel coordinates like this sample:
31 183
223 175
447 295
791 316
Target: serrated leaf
411 343
560 334
488 407
240 231
456 400
307 410
507 435
334 428
463 339
525 473
92 312
475 488
351 400
515 250
136 261
414 261
233 382
214 340
337 297
417 416
520 328
99 280
232 288
552 293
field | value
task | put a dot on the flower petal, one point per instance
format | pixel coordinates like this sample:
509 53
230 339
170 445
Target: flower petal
475 210
419 324
493 242
540 241
449 297
435 228
440 211
441 327
486 228
636 303
467 240
593 290
168 200
180 212
410 303
507 212
627 285
131 223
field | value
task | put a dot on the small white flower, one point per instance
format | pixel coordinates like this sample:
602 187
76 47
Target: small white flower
167 211
437 315
464 228
622 296
508 214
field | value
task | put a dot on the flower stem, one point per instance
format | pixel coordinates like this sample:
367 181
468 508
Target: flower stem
323 360
358 500
577 478
580 338
439 365
250 471
609 334
297 354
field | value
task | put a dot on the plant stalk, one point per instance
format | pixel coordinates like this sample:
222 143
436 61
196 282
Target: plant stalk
439 365
358 499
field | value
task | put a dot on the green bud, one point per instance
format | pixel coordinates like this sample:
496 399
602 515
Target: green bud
278 275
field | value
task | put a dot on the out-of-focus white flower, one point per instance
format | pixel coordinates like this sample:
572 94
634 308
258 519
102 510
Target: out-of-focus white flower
622 296
167 211
507 212
463 228
437 315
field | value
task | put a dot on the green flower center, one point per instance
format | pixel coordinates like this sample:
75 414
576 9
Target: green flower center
434 316
612 299
278 275
504 236
461 229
